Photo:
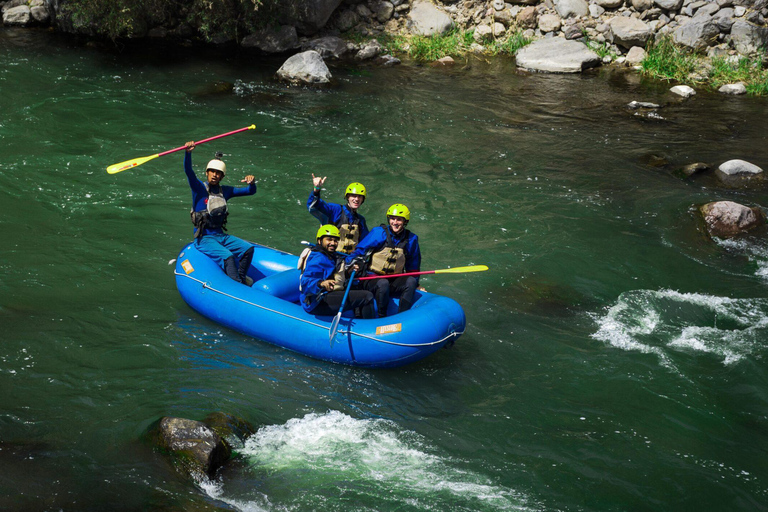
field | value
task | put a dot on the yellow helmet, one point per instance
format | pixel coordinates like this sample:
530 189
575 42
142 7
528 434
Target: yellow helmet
355 188
327 230
216 165
399 210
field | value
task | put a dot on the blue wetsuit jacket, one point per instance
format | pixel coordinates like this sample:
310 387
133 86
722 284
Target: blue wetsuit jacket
320 266
331 213
377 239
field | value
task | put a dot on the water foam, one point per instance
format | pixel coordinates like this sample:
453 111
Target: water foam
755 250
656 321
333 456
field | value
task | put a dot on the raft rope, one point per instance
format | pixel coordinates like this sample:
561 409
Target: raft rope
209 287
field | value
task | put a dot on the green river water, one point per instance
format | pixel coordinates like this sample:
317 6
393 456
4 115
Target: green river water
614 358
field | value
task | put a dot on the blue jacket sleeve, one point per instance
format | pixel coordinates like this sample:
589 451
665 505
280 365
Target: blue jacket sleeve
413 258
326 213
247 190
372 243
314 273
198 188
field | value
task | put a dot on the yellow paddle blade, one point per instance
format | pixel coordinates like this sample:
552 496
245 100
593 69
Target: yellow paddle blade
473 268
130 164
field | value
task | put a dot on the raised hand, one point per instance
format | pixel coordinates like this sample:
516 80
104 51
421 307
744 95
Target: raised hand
190 146
317 181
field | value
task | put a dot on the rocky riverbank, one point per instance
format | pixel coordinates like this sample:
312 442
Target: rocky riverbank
726 28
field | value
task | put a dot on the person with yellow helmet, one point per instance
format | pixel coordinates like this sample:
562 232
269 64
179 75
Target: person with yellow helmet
393 250
209 215
352 226
323 279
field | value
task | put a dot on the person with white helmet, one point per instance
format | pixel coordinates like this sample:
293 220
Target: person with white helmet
352 226
324 276
209 215
393 250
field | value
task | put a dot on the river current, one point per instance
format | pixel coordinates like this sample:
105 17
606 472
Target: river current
614 359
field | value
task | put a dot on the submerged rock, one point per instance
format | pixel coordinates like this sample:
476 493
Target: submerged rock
725 219
194 447
695 168
556 55
305 67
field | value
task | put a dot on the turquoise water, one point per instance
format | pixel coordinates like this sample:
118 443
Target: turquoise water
615 357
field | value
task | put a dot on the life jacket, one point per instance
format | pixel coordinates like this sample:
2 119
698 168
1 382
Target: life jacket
349 231
215 214
390 259
339 272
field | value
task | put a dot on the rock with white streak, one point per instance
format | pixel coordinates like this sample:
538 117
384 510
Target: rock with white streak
725 219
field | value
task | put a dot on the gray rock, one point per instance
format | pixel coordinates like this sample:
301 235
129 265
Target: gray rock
698 33
425 20
194 447
748 38
683 90
635 56
382 10
629 32
549 23
272 39
724 19
506 17
527 18
482 33
573 31
347 20
388 60
642 5
707 10
571 8
329 47
739 11
20 16
305 67
595 10
735 89
725 219
669 5
40 14
609 4
695 168
556 55
739 167
642 104
370 50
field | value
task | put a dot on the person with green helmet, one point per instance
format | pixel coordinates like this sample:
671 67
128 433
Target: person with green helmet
352 226
209 215
393 250
324 276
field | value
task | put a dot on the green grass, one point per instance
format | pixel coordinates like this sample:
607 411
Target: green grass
509 44
750 71
665 61
601 49
454 44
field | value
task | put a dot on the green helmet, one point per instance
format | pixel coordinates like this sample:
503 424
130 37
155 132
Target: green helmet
327 230
355 188
399 210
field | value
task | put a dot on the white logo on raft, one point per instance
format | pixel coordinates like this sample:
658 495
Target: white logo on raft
388 329
187 266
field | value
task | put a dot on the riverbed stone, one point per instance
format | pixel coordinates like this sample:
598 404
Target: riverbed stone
694 168
641 5
329 47
635 56
726 219
734 89
194 447
41 14
669 5
697 33
609 4
305 68
370 50
683 90
549 23
19 16
748 38
382 10
426 20
556 55
528 17
628 32
272 39
738 167
571 8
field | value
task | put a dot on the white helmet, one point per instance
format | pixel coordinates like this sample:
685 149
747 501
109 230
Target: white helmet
216 165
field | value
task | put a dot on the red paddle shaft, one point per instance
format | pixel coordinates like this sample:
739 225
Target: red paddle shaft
209 139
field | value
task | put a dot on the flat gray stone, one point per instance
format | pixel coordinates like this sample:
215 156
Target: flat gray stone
556 55
683 90
629 32
737 167
735 89
571 8
425 20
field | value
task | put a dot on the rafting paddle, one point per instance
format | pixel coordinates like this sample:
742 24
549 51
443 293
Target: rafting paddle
130 164
456 270
335 323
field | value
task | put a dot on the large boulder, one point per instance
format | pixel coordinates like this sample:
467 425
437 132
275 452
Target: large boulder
272 39
556 55
17 16
305 68
698 33
628 32
748 38
426 20
308 16
571 8
725 219
328 47
739 172
194 447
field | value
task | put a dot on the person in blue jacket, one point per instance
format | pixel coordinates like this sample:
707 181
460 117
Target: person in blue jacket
323 279
209 216
393 250
352 226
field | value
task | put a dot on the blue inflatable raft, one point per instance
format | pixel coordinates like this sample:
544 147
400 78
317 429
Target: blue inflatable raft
270 311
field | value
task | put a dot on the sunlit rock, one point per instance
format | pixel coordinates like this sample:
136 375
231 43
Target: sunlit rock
748 38
739 173
683 90
194 447
305 68
571 8
735 89
697 33
425 20
628 32
725 219
17 16
556 55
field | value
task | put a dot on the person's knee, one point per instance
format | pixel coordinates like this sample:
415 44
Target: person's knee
382 285
410 283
